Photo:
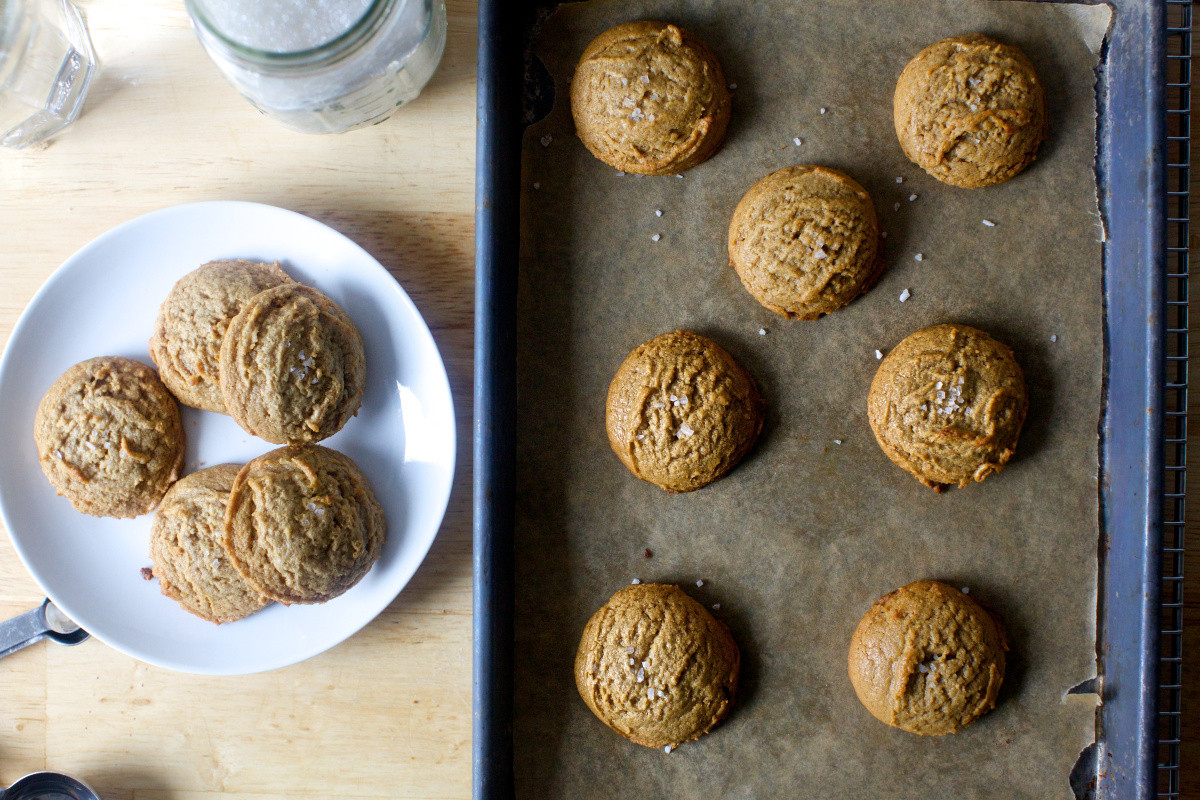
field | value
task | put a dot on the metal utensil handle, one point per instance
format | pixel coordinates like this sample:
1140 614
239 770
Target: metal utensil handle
30 627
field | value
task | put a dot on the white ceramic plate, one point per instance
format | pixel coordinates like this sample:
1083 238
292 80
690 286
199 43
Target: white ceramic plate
103 301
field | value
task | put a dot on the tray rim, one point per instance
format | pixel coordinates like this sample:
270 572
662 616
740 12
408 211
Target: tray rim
1132 188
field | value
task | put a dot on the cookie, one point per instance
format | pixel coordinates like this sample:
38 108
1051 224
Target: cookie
109 437
681 412
947 405
185 547
292 368
805 241
970 111
927 659
186 345
656 667
649 98
303 525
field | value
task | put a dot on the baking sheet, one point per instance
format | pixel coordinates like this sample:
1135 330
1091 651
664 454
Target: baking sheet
799 540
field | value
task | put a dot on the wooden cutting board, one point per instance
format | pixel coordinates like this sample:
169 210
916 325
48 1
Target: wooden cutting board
387 713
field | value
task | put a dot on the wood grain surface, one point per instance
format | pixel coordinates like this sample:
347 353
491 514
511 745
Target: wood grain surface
387 713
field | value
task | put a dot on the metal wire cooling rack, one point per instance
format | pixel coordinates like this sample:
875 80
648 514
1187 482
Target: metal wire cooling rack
1178 169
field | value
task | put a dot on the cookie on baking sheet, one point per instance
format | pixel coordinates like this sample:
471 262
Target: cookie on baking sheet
805 241
947 405
185 546
292 368
303 525
970 111
109 437
681 412
656 667
649 98
186 345
927 659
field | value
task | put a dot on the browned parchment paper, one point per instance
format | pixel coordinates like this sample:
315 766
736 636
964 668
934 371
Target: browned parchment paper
799 540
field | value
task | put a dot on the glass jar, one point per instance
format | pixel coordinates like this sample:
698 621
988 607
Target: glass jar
323 66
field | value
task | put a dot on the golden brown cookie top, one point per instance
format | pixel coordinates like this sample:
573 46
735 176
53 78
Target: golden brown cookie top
947 405
656 667
805 241
109 437
681 412
927 659
186 345
292 366
303 525
185 545
970 111
649 98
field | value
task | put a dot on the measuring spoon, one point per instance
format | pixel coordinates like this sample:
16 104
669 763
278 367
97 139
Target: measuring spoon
43 622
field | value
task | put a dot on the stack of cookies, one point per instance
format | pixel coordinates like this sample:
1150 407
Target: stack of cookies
947 404
299 524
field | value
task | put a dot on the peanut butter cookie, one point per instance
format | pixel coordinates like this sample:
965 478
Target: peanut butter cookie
947 405
292 366
970 111
656 667
185 545
109 437
186 345
927 659
649 98
303 525
681 412
805 241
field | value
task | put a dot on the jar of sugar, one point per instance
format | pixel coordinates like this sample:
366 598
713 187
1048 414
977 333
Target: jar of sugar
323 66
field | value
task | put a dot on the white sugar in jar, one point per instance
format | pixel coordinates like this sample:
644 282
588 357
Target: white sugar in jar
323 66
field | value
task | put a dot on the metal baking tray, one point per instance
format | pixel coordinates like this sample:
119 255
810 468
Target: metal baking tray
1134 152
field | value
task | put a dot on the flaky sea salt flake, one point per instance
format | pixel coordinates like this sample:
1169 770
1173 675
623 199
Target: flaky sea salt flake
905 295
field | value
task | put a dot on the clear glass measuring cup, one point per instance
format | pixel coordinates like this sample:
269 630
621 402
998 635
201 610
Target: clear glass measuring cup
323 66
46 65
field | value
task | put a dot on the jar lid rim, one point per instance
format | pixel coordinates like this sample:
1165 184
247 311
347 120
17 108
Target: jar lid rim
317 55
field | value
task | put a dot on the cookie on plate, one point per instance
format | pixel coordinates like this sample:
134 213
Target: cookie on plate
681 412
109 437
970 111
656 667
292 368
303 525
185 546
805 241
649 98
927 659
947 405
186 345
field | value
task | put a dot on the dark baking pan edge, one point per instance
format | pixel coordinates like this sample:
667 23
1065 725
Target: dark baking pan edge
1131 176
1132 196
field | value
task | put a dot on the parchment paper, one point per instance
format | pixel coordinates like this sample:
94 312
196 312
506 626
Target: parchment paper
799 540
